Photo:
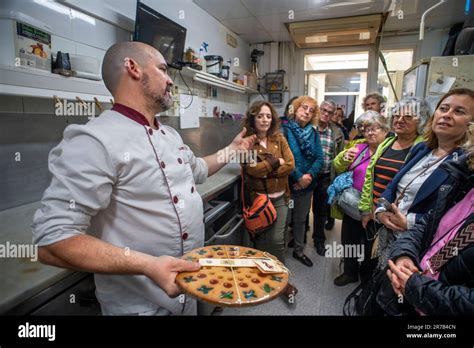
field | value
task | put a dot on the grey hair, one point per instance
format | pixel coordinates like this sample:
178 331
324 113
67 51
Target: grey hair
370 118
415 106
363 118
375 96
329 102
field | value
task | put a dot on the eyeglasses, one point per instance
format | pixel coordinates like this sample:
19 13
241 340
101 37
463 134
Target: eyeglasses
326 111
373 130
405 117
307 108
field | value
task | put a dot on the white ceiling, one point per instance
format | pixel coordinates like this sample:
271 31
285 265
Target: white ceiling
257 21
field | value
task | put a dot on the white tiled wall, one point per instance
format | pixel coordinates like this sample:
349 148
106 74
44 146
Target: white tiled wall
77 32
226 100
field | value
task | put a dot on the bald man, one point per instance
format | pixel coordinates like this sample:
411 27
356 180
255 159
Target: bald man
122 202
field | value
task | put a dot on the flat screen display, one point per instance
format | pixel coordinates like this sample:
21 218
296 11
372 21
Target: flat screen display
160 32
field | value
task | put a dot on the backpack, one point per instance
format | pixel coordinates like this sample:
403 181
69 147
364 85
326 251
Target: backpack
362 300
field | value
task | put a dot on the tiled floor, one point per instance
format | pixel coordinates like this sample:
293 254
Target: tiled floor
317 294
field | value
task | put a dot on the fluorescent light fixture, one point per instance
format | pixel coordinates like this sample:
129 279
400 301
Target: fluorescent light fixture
316 39
354 81
65 10
346 3
335 32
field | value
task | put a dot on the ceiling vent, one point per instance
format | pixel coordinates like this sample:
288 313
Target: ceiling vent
347 31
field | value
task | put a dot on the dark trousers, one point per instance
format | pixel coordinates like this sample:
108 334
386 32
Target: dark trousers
320 207
353 235
302 205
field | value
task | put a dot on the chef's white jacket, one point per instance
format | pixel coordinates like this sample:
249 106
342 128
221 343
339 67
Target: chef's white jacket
131 186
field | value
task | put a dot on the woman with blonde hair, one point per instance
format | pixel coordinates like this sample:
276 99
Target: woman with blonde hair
413 191
431 264
305 145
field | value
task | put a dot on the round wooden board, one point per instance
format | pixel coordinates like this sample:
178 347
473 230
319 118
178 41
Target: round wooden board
230 286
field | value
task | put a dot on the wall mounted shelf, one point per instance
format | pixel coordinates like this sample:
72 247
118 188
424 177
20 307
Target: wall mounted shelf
22 81
213 80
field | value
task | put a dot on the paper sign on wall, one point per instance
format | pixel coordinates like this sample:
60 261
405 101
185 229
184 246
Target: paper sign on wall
33 47
190 108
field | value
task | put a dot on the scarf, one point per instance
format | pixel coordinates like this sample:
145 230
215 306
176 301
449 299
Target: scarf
305 138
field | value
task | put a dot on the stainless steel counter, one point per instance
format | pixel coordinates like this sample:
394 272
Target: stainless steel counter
23 278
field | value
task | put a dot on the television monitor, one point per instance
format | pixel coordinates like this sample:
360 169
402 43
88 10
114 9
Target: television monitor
160 32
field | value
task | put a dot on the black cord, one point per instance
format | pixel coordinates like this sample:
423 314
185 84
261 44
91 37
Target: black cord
189 89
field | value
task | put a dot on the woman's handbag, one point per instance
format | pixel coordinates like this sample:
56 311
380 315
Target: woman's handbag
261 215
348 201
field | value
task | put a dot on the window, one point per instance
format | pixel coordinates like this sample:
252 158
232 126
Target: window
341 77
397 62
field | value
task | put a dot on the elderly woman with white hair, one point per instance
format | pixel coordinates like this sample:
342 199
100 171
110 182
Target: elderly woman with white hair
356 159
408 119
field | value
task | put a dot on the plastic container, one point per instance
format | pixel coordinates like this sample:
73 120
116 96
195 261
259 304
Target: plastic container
225 72
252 81
202 61
214 65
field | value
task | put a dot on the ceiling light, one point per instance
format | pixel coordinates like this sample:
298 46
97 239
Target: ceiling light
347 31
315 39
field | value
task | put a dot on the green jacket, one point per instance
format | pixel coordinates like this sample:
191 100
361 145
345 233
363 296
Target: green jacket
340 165
366 198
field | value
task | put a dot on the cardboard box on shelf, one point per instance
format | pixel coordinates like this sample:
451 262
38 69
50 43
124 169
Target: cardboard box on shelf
32 47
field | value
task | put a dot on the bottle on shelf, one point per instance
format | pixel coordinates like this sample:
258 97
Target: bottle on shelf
202 61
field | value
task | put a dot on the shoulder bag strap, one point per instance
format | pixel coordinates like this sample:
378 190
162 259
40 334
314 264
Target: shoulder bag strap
463 238
402 194
358 161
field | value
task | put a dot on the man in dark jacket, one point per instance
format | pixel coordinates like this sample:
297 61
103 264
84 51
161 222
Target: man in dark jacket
452 292
332 142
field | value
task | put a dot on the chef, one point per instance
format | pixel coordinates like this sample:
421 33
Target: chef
130 183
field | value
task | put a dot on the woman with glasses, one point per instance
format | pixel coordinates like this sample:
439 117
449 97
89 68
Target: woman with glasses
357 132
356 159
409 117
337 119
413 191
422 267
306 148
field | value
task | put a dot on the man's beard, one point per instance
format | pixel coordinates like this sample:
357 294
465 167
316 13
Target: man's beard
155 101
